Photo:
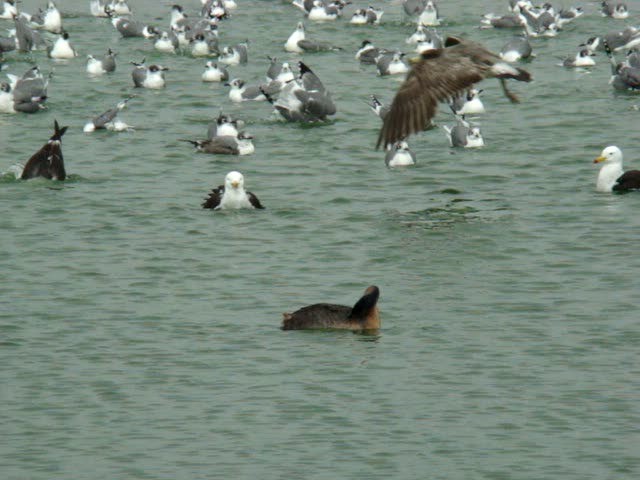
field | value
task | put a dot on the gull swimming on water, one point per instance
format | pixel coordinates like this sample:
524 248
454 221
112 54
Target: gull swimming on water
321 11
518 48
214 73
391 64
368 52
131 28
167 42
49 19
224 126
624 75
148 77
235 55
105 65
231 195
618 11
304 99
429 15
108 120
399 155
225 145
468 103
431 41
62 48
581 59
462 134
366 16
24 94
8 9
298 42
612 178
241 93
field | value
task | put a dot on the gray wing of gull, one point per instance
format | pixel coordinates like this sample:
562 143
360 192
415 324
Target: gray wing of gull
225 145
24 34
212 130
27 89
413 7
459 135
369 56
139 74
241 48
320 105
389 155
128 28
518 44
383 62
101 120
38 17
272 88
108 63
214 198
458 102
274 68
631 77
508 21
310 81
28 106
253 200
312 46
7 44
251 92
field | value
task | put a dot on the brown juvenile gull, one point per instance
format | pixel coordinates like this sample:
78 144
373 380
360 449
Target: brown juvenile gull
437 76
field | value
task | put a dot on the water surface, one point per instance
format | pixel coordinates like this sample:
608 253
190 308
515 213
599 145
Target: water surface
139 334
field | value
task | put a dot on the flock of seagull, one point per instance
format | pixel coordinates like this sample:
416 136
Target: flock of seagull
442 70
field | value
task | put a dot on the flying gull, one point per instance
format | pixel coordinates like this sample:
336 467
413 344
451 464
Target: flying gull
438 75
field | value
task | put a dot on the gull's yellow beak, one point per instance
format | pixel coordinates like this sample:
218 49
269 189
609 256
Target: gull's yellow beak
414 60
235 184
599 159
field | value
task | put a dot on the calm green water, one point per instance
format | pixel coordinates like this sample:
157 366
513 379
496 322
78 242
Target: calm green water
139 333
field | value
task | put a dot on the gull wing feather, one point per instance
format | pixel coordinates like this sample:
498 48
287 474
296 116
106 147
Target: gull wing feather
214 198
436 77
253 200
